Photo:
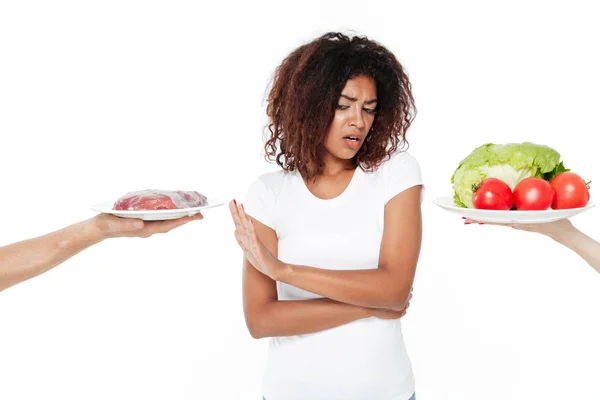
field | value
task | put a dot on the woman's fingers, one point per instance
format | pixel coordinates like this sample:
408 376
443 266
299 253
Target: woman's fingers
472 221
233 209
241 232
512 225
245 234
244 219
239 240
238 216
248 226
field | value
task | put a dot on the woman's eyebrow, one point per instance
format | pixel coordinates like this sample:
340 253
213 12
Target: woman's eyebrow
354 99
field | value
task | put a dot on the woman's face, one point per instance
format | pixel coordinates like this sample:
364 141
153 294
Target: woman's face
353 118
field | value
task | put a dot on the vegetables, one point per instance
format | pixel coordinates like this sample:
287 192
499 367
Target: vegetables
493 194
533 194
511 163
571 191
522 176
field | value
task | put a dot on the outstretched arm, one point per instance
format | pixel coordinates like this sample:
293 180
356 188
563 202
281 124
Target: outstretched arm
29 258
563 232
566 234
585 246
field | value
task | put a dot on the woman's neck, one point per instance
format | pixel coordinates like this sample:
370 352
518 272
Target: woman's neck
335 166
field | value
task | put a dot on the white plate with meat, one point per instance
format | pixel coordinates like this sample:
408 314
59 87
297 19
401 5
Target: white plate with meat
157 205
510 216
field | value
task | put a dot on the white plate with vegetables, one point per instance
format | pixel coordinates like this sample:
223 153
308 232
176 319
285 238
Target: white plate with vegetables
516 183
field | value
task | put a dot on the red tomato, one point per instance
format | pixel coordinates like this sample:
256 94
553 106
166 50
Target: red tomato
570 191
533 194
493 194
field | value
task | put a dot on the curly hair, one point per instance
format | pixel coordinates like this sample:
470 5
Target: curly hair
306 88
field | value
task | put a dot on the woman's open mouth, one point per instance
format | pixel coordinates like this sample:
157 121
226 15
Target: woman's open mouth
352 141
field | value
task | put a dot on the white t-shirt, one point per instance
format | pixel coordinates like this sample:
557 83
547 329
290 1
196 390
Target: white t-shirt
364 359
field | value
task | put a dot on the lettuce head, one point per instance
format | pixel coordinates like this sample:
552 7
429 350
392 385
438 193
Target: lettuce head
511 163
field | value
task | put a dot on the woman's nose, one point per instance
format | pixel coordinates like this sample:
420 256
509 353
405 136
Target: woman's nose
357 118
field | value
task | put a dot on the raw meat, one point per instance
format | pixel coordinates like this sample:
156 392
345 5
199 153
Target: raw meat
159 200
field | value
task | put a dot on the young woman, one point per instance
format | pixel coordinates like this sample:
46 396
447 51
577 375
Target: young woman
331 241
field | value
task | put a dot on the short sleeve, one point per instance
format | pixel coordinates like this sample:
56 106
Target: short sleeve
259 202
403 172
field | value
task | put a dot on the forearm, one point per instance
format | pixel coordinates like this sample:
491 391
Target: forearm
298 317
586 247
372 288
29 258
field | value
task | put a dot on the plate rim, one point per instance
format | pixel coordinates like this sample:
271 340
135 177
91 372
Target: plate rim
548 211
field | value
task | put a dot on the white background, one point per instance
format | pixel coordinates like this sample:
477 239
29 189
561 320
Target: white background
101 98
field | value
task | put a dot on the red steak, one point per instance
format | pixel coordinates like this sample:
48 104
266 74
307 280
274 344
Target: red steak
159 200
